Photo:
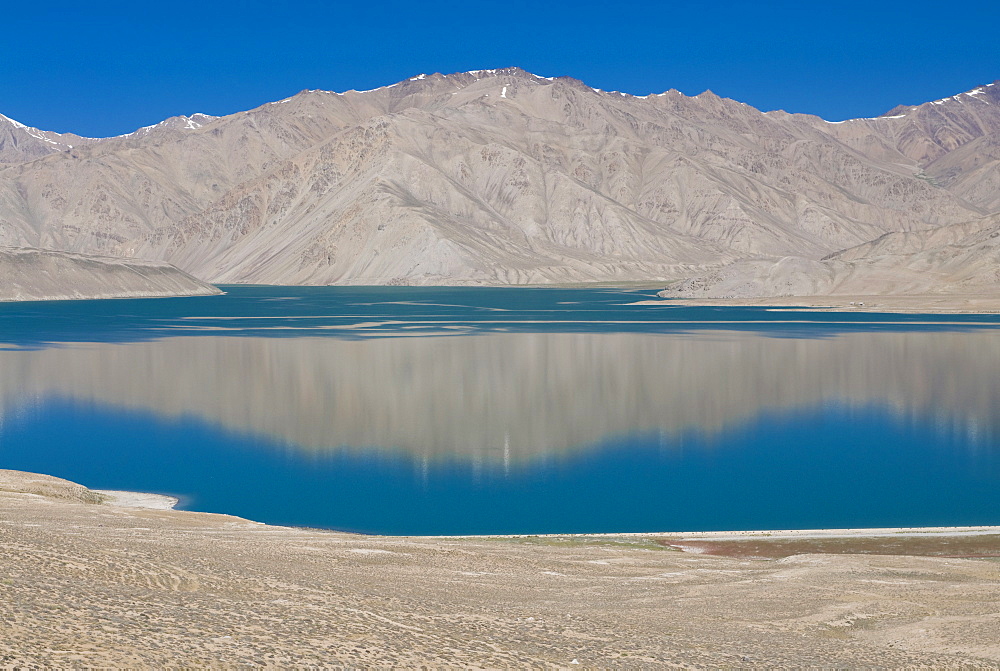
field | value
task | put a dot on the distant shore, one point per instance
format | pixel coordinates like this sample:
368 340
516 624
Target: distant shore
28 274
927 304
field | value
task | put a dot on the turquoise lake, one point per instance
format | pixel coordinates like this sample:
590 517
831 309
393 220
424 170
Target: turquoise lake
426 411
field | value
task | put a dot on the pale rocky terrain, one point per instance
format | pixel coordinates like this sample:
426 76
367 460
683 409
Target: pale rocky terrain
513 398
42 275
505 177
86 584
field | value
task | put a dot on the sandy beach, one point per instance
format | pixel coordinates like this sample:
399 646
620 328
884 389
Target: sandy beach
137 499
87 583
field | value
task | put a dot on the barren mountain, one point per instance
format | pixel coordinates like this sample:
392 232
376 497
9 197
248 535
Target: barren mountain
501 176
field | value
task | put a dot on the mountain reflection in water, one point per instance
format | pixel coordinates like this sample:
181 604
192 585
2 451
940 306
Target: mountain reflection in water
515 398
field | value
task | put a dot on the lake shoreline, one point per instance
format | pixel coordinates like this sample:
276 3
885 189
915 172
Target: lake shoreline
776 534
133 499
130 499
985 304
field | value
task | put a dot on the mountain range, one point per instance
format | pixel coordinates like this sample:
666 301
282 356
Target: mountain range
505 177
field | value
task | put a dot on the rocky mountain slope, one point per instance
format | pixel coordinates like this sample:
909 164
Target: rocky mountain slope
501 176
41 275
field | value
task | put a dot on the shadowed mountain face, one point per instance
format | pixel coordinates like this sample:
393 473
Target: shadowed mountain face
500 177
510 398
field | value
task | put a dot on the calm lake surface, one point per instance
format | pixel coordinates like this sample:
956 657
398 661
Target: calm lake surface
402 410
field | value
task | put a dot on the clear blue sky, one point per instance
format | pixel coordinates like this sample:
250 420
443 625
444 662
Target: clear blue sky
103 68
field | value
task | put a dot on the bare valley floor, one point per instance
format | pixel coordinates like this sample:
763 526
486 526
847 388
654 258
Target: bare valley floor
87 583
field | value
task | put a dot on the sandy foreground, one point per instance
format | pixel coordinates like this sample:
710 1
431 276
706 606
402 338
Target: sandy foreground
87 583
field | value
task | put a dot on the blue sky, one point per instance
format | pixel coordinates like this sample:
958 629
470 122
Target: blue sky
103 68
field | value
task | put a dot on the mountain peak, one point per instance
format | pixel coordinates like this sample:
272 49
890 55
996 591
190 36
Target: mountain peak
467 77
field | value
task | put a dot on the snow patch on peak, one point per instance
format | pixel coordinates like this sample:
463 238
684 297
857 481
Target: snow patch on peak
16 124
181 122
417 78
513 70
978 92
389 86
190 122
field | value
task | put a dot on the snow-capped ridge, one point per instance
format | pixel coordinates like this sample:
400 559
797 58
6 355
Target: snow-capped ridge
16 124
988 94
971 93
477 74
977 94
36 133
181 122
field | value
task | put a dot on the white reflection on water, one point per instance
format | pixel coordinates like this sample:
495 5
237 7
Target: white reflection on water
509 398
